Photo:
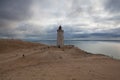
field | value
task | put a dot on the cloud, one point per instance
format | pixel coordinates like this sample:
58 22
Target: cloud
39 19
113 6
14 10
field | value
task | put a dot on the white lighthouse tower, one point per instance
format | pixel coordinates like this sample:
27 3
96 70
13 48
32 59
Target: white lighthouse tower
60 37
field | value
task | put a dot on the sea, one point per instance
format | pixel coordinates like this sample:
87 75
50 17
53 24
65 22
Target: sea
107 47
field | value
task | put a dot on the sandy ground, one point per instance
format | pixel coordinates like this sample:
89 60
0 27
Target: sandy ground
42 62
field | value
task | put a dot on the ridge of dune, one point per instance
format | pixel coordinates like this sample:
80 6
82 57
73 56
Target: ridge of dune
7 45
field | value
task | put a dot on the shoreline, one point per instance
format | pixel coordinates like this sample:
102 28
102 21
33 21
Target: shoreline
21 60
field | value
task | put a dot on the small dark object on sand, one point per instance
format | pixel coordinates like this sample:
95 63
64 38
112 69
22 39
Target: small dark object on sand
23 55
74 79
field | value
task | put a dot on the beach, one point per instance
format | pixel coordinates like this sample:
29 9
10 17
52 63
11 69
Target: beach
21 60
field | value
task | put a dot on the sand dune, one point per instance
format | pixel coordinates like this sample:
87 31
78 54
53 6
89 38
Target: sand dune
43 62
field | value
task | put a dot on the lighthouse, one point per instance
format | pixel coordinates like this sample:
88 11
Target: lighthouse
60 37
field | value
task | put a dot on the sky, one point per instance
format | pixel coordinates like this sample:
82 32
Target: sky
80 19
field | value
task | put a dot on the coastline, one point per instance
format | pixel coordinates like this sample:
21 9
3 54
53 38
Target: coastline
45 62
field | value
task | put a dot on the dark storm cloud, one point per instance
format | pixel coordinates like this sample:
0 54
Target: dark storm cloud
95 36
14 9
111 33
11 13
113 5
3 23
